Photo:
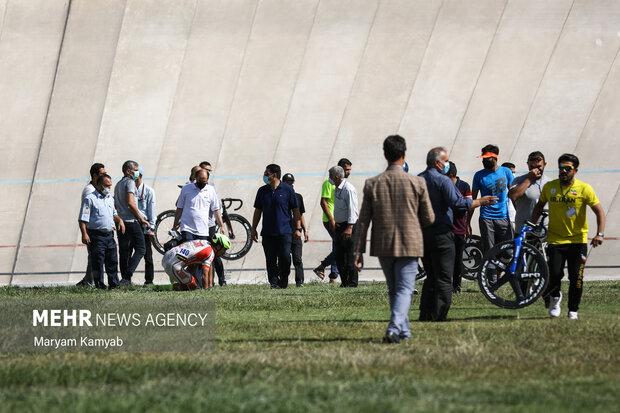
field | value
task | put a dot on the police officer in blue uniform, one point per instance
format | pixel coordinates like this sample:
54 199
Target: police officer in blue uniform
96 221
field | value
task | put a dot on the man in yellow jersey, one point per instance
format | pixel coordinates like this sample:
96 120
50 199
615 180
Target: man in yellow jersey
568 232
327 205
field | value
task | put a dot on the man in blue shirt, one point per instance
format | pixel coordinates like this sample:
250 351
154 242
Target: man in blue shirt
494 180
439 250
96 222
274 202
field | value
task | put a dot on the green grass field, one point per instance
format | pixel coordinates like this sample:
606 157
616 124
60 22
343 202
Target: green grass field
319 349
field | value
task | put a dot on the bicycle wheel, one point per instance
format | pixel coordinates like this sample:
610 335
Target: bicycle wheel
472 257
239 231
163 225
516 290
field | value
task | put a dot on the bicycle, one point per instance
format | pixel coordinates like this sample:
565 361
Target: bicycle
514 274
472 259
238 230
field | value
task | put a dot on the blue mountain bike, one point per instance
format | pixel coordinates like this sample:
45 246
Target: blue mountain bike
514 273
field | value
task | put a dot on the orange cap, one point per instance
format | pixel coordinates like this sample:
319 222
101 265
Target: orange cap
488 155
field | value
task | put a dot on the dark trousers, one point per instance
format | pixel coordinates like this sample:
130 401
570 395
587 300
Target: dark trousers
438 262
331 257
297 246
102 252
149 268
131 241
459 247
278 259
218 265
188 236
574 256
344 257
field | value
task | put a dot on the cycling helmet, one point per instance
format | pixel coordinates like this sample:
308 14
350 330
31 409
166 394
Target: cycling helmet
221 239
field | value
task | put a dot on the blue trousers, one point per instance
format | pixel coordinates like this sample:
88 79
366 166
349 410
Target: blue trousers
400 273
102 251
278 259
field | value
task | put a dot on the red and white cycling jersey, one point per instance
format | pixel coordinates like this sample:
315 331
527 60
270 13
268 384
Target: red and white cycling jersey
176 261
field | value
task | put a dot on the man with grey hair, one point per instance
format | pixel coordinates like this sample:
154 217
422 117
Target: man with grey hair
125 196
346 213
439 249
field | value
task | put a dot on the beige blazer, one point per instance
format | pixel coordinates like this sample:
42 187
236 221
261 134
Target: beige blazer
398 205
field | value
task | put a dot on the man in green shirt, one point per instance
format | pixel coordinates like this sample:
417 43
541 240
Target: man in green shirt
327 205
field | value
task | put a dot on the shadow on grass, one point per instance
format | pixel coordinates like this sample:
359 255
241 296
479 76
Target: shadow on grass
299 339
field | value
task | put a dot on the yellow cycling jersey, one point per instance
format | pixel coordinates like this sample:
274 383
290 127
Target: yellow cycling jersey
567 211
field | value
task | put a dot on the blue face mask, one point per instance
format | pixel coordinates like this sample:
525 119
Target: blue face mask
136 175
266 179
446 168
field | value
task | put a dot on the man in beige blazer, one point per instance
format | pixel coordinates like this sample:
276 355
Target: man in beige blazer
398 205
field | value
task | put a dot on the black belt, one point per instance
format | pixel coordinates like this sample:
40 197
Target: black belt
98 232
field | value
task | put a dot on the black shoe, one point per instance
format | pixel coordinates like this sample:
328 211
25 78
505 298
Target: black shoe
84 284
391 338
222 284
148 283
299 285
275 287
110 287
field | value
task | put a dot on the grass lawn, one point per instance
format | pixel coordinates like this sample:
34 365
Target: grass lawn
318 348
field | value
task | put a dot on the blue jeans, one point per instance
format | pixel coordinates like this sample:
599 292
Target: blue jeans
400 273
102 251
331 257
278 259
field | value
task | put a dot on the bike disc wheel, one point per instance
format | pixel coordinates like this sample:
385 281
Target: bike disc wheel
163 225
516 290
472 257
240 233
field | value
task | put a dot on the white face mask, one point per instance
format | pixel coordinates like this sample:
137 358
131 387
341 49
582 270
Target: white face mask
105 191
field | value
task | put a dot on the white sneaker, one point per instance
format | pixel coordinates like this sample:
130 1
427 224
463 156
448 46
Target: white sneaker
572 315
554 306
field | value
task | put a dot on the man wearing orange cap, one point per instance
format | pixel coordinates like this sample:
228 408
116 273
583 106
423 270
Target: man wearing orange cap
493 180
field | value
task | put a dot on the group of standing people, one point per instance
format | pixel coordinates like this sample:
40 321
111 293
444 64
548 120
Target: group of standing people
428 216
132 211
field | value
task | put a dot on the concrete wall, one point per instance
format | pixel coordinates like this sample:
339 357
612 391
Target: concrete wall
244 83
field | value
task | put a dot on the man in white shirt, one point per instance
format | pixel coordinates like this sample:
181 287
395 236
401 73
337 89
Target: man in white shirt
195 202
346 212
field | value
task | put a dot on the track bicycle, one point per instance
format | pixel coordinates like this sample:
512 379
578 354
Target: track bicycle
472 259
514 274
238 229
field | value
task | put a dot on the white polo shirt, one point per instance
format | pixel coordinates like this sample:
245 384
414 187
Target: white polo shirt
197 204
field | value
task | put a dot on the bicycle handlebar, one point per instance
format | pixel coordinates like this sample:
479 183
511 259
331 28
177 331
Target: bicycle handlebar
227 202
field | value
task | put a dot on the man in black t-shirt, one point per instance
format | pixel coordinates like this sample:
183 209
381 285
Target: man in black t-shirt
297 244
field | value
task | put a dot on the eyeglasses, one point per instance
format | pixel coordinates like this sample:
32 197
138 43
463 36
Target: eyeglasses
567 168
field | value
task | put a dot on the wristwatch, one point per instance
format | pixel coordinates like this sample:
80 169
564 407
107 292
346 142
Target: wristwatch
298 229
600 234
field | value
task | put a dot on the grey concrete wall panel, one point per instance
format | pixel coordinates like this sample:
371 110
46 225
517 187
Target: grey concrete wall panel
387 72
514 67
29 46
73 124
144 80
576 73
333 54
452 64
271 65
2 13
207 85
